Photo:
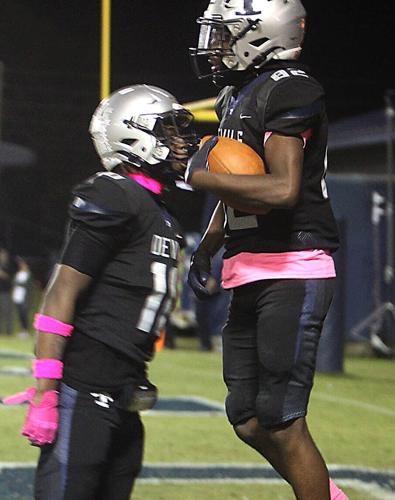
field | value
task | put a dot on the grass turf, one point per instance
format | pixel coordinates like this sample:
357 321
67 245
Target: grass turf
225 492
351 418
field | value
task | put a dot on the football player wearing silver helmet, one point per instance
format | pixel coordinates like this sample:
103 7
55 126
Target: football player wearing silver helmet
243 35
107 303
144 127
278 249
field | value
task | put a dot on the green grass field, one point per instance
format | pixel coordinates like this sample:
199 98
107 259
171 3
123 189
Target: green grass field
352 417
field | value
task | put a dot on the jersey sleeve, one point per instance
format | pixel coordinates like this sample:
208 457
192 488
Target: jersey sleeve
222 101
294 106
102 203
100 219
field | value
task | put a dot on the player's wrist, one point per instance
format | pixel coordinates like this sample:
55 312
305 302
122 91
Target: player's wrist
44 386
201 259
197 178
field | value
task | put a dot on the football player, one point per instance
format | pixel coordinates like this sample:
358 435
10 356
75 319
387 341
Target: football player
277 258
107 301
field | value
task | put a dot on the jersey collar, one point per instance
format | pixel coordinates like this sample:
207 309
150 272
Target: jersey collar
147 182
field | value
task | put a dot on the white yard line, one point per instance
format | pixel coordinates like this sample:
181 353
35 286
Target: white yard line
354 402
370 487
10 353
373 489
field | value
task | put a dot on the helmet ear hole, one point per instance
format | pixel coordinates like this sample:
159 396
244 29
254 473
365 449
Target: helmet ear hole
259 42
129 142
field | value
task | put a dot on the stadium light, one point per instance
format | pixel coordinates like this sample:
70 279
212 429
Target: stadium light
203 110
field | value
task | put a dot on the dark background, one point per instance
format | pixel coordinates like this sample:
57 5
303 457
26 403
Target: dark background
51 53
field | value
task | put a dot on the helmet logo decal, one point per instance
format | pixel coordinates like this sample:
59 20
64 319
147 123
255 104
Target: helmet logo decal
248 8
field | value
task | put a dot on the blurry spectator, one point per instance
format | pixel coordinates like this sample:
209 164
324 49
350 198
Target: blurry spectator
212 312
20 294
183 317
7 271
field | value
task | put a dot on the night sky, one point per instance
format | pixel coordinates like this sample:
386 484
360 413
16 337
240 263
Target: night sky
50 49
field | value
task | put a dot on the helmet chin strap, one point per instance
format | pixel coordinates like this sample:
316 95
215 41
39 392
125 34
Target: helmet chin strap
288 54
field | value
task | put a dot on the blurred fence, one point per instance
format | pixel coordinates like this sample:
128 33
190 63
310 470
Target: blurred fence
361 261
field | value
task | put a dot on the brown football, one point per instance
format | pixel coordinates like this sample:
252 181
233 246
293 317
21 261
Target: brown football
229 156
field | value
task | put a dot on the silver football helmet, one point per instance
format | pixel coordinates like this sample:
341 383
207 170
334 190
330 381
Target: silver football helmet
246 34
135 125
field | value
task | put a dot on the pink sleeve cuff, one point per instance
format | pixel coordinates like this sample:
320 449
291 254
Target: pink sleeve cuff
305 136
47 368
48 324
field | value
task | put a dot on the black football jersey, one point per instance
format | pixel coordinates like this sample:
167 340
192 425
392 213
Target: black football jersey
122 236
285 100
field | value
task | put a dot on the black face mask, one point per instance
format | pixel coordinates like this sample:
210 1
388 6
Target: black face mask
175 123
214 44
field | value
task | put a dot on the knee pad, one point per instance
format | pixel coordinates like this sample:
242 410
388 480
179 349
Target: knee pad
240 404
286 403
268 409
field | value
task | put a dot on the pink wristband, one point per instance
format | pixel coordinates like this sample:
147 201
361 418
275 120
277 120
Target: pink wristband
47 368
48 324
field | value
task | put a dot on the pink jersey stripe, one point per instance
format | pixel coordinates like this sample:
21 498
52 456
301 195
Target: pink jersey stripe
249 267
304 135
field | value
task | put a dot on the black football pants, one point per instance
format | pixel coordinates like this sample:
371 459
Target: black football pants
97 454
270 346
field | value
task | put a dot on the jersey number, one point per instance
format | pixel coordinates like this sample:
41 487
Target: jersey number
237 222
157 305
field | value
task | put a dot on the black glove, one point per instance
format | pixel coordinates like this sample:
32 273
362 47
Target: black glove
199 273
199 161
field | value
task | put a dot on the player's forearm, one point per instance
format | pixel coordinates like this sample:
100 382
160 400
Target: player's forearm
214 236
252 191
211 243
59 304
49 345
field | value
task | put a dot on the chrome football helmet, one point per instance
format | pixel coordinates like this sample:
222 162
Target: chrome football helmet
243 35
135 124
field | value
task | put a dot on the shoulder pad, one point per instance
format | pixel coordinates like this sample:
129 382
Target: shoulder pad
222 101
103 201
293 104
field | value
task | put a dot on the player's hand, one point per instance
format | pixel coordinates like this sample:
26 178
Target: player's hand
41 422
199 274
180 155
199 161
